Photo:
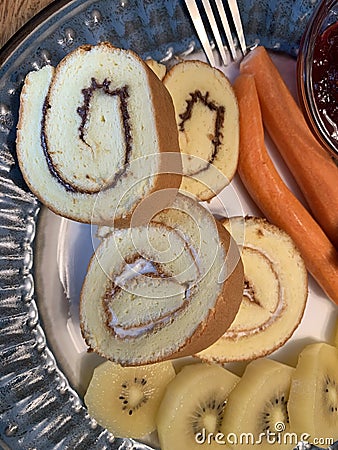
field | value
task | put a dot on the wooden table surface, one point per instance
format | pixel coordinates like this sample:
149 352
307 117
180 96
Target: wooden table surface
14 13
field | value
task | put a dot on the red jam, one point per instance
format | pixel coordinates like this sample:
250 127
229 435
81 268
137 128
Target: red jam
325 77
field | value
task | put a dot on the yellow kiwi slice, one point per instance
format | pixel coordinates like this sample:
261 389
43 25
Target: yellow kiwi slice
125 399
256 414
275 292
313 402
191 412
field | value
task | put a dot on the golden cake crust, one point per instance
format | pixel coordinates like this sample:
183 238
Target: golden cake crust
179 329
80 203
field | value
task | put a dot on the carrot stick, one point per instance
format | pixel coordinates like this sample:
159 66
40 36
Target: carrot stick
272 196
311 166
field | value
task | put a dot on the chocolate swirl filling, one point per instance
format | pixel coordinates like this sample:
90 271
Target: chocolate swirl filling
216 140
83 111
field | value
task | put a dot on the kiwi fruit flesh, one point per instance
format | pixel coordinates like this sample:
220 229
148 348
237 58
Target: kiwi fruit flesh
256 415
125 400
313 402
191 412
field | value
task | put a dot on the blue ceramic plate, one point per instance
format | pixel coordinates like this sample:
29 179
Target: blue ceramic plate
39 406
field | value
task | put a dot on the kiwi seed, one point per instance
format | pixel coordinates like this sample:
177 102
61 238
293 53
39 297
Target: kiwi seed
331 392
134 395
210 409
275 411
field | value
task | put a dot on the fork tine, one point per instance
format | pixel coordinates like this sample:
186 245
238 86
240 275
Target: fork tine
200 29
215 30
238 24
198 23
226 27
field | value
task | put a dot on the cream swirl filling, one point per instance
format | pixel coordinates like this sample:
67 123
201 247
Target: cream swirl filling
263 299
145 295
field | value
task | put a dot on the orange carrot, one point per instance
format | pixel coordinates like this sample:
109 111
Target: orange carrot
272 196
311 166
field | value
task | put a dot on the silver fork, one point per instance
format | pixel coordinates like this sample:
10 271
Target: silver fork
202 34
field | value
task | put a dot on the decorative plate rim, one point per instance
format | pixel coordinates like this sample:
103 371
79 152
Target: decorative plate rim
30 364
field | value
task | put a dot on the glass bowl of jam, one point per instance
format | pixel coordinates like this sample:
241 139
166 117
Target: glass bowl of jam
317 67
